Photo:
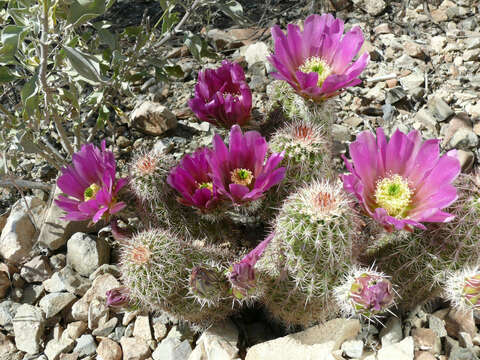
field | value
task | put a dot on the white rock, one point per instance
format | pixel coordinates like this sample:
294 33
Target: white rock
69 280
107 328
8 309
134 349
438 42
109 350
172 349
375 7
412 81
54 231
353 348
142 328
85 345
392 332
99 287
36 270
97 314
219 342
153 118
18 234
28 327
53 303
399 351
316 343
55 348
85 253
254 53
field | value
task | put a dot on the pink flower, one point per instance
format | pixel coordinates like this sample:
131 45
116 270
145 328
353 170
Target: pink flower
317 61
403 182
222 96
242 274
240 172
192 179
91 184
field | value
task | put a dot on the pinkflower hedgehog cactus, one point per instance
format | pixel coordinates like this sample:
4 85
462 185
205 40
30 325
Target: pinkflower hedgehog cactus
403 182
91 184
239 172
192 179
316 62
222 96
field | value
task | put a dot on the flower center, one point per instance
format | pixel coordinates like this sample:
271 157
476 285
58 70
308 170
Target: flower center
91 192
394 195
325 202
303 133
205 185
317 65
241 177
140 254
146 164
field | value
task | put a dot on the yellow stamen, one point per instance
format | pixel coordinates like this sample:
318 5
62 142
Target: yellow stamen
91 192
241 177
205 185
394 195
317 65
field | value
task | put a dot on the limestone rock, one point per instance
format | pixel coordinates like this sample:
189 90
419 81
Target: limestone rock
172 349
28 327
54 231
55 348
317 342
109 350
134 349
36 270
218 342
99 287
399 351
18 234
53 303
8 309
142 328
69 280
85 253
153 118
6 346
85 345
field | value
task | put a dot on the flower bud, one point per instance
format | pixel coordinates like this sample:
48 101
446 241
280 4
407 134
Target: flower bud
117 297
207 283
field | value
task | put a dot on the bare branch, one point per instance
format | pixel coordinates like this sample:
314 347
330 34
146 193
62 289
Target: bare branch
170 33
9 181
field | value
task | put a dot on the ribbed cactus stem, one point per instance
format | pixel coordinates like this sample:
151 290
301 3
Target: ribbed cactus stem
365 293
148 172
316 228
157 267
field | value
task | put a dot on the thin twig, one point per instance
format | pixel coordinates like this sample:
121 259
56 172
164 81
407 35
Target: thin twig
9 181
48 99
382 78
187 14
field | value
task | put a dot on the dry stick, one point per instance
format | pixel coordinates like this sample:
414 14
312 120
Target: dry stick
67 145
20 183
187 14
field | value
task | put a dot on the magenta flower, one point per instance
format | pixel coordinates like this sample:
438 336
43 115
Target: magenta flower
242 274
117 297
371 293
222 96
403 182
316 62
90 182
192 179
240 172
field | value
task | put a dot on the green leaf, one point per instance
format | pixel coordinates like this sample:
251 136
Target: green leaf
10 38
83 65
82 11
174 70
233 9
6 75
103 115
195 44
30 97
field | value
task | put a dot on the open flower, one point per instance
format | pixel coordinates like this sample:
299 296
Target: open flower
240 172
403 182
242 274
222 96
317 61
463 288
192 179
91 184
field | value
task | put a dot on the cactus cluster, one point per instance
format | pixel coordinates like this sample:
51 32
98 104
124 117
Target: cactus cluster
271 221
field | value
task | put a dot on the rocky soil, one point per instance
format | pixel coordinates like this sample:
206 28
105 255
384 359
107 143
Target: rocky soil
424 74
